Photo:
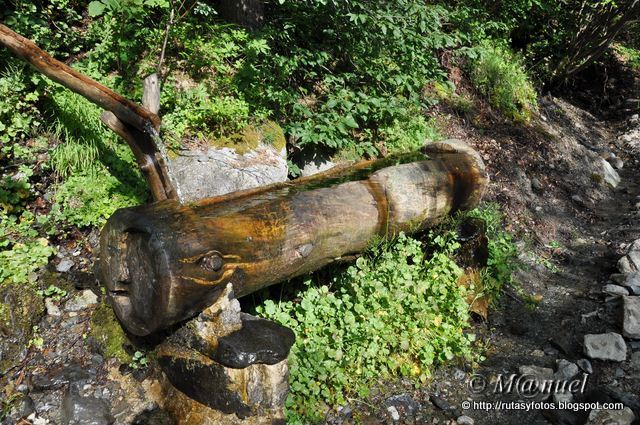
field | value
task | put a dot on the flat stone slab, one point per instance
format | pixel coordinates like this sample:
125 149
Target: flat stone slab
607 346
631 317
259 341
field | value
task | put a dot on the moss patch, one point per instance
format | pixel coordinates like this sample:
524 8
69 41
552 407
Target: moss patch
268 133
20 310
106 330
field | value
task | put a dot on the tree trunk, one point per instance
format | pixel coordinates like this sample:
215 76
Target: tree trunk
165 262
248 13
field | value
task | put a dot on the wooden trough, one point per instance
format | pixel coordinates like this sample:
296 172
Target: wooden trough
165 262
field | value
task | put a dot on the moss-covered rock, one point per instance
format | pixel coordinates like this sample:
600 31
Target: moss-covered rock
21 307
268 133
106 330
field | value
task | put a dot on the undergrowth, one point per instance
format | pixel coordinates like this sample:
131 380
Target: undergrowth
395 312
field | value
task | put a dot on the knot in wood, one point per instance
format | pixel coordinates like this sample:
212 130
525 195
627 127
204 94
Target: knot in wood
211 262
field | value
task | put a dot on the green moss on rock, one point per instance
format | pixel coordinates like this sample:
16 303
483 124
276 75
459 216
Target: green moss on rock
108 332
21 308
268 133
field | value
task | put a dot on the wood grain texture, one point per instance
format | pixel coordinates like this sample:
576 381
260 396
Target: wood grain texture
165 262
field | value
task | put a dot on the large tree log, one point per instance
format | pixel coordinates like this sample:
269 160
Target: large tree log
136 124
165 262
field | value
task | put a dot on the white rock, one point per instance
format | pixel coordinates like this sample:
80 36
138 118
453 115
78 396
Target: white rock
64 266
218 171
609 174
52 308
465 420
607 346
610 417
81 301
631 317
394 413
625 265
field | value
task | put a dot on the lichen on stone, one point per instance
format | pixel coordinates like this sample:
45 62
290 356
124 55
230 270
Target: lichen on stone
108 332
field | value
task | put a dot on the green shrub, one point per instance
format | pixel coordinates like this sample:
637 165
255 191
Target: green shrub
22 250
393 312
500 76
99 173
197 114
631 55
409 133
18 114
88 200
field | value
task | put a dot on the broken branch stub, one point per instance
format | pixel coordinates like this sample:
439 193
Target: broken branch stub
166 262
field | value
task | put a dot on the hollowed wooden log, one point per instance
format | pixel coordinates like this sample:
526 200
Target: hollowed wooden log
165 262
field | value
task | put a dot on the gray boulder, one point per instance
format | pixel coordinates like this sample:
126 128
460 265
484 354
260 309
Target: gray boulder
631 317
253 158
607 346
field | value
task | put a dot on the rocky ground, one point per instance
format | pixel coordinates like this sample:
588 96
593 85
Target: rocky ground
570 188
568 184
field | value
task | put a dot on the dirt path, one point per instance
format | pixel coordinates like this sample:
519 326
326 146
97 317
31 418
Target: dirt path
573 227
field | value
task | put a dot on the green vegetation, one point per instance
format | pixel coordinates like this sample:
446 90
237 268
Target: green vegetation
106 330
500 76
396 311
357 79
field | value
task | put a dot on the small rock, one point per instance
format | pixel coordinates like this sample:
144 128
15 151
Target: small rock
609 417
26 407
577 199
615 290
563 397
617 163
52 308
550 351
459 374
465 420
403 403
619 373
536 184
634 362
565 370
537 353
394 413
585 365
609 174
58 377
77 410
82 301
64 266
538 372
607 346
631 317
439 402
